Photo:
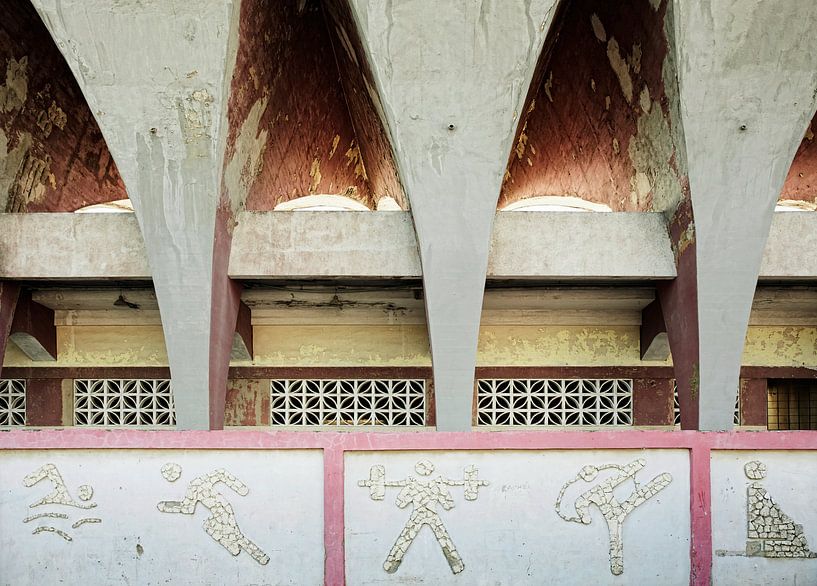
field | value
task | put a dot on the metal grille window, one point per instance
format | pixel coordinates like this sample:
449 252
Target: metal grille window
792 405
676 406
348 402
12 402
555 402
123 402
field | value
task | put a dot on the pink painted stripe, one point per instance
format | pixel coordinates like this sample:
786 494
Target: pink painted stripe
78 438
333 515
700 511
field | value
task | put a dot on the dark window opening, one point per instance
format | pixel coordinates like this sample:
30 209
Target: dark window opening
792 404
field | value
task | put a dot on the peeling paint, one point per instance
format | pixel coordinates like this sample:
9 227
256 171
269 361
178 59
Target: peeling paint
644 100
10 162
197 118
522 142
598 28
13 93
621 68
247 160
315 174
780 346
54 116
651 151
335 142
353 158
549 87
28 185
634 60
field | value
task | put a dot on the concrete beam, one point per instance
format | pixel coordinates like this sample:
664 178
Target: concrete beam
9 292
72 247
163 110
747 85
654 339
33 329
563 245
452 139
314 245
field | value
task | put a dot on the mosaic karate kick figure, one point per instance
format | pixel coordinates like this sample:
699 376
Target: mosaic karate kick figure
424 496
613 511
221 524
59 496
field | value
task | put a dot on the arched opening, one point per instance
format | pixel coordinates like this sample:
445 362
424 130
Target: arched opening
53 157
555 203
322 203
800 189
301 110
600 122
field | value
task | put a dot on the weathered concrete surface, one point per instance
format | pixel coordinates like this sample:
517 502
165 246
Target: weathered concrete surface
580 245
162 111
599 124
790 248
371 245
52 154
747 83
325 244
72 246
451 79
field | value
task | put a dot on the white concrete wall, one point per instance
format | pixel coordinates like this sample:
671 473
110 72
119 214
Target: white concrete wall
138 544
790 482
511 533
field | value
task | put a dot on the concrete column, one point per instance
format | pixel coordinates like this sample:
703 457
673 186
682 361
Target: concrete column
157 77
747 79
451 79
9 292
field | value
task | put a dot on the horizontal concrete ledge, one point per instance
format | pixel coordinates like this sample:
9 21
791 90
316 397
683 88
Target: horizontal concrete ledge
580 245
72 247
303 245
791 251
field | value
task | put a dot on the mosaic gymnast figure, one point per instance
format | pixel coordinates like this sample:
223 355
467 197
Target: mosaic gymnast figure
221 524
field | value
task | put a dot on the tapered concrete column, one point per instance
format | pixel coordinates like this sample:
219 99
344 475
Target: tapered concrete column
156 76
451 79
747 78
9 292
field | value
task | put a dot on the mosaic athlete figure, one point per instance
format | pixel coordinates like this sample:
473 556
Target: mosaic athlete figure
221 524
613 511
424 496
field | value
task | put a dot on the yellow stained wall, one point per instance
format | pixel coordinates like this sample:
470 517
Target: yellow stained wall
407 345
781 346
140 345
